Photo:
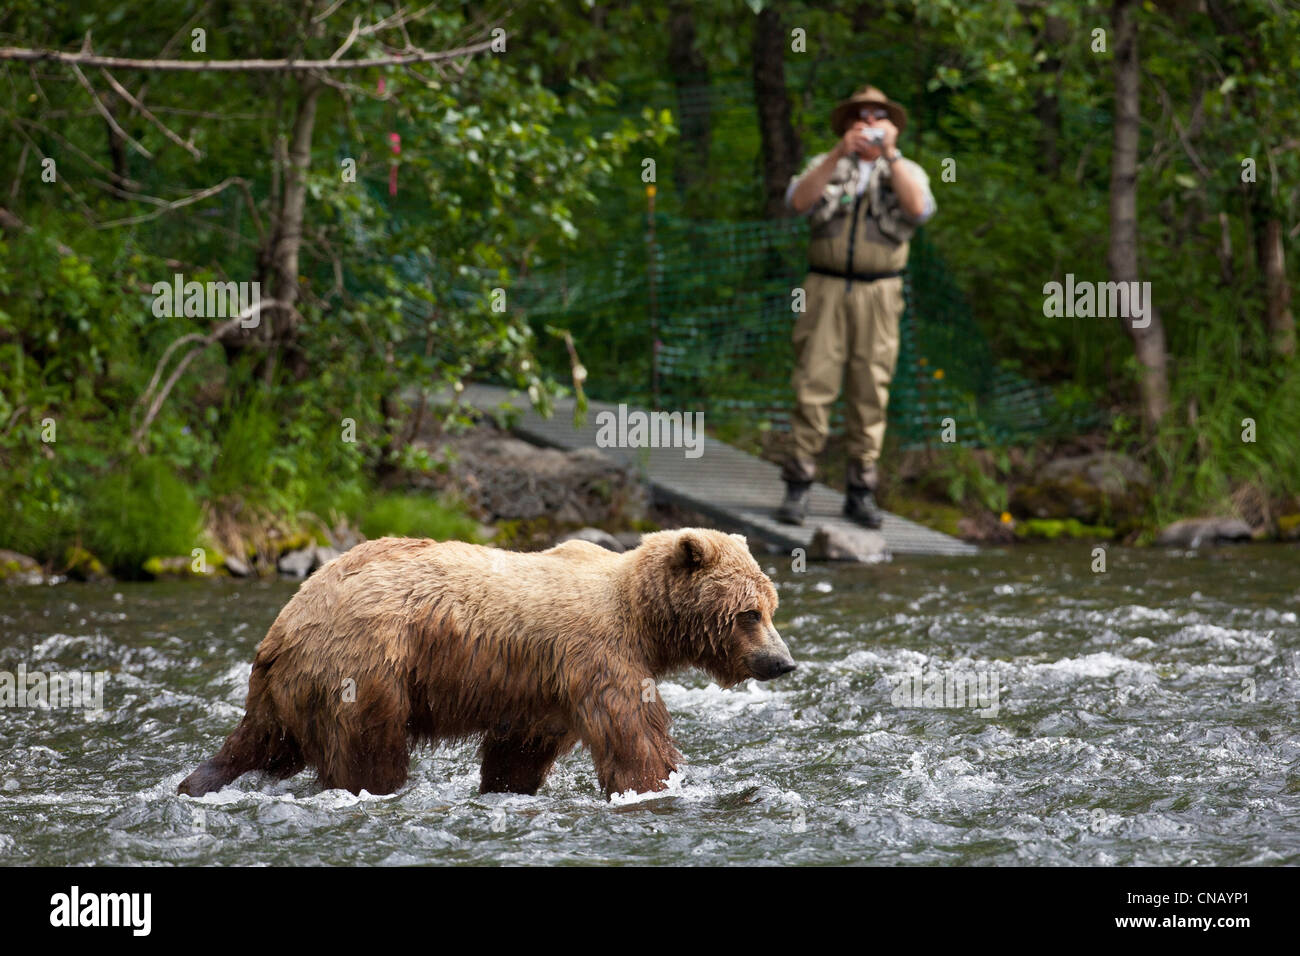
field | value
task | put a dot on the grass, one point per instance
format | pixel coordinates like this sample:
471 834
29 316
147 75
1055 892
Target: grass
141 512
417 516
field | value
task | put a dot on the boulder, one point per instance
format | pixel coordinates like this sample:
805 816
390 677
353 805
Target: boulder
175 566
1196 532
298 563
1097 489
846 543
238 566
629 539
345 537
595 536
985 527
18 568
506 479
280 544
83 566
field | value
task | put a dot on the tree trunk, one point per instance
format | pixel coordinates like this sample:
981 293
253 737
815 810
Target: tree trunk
287 237
1224 251
1047 102
690 72
1278 318
782 151
1122 257
116 145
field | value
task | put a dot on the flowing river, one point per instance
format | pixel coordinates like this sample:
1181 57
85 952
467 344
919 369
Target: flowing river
1014 708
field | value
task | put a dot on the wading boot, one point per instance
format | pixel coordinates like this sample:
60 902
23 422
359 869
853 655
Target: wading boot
795 506
861 480
860 506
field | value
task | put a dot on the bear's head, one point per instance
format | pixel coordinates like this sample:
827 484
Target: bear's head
708 604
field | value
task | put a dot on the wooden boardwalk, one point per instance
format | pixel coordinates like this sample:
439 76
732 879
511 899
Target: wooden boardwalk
736 489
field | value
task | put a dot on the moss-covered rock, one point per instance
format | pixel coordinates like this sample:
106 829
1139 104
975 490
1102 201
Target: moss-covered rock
937 515
1288 527
985 527
1052 528
1103 488
18 568
291 541
1199 532
81 565
183 566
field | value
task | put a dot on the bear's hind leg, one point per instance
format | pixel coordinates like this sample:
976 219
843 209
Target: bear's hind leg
515 763
377 760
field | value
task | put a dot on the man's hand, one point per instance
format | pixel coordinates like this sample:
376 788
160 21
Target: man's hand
911 195
809 189
856 139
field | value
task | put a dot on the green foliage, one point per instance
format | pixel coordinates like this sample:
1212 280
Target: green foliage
290 465
1233 410
417 516
138 512
529 165
975 479
38 514
397 292
248 462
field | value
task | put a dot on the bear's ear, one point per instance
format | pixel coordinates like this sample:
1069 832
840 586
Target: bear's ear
693 552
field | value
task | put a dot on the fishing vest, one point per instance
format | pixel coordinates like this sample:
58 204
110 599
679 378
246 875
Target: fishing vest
860 233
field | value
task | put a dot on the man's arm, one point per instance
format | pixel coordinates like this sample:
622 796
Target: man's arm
808 189
908 181
910 189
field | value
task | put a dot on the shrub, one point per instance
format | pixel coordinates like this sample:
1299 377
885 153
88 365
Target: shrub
417 516
138 512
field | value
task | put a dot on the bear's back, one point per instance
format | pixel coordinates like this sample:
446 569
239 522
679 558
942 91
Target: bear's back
392 589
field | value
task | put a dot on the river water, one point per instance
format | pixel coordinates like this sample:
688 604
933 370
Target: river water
1144 715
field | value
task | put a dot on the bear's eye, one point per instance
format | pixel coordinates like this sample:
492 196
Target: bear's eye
751 618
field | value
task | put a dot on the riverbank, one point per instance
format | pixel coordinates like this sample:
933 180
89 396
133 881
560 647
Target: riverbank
1073 489
480 484
475 483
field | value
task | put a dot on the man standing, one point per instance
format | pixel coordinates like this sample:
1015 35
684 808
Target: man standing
864 202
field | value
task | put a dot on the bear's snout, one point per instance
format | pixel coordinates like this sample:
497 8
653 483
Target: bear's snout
771 661
767 666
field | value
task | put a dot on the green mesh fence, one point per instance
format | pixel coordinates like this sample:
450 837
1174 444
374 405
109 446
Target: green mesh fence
695 314
716 297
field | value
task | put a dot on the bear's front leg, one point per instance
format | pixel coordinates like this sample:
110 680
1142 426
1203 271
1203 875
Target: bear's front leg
515 763
629 741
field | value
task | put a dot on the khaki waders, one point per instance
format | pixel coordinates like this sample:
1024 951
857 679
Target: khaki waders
847 337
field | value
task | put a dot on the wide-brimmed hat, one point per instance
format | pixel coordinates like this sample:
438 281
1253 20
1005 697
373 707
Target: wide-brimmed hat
866 97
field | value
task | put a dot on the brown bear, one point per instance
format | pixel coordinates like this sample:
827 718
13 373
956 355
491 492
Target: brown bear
405 640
